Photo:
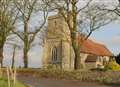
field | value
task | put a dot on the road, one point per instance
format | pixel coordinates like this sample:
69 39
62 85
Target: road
35 82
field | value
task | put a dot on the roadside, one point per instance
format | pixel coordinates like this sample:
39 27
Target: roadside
60 78
37 82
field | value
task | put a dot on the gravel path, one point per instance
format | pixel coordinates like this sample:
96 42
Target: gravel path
35 82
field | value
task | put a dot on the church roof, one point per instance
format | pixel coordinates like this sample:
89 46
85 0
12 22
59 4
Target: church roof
92 47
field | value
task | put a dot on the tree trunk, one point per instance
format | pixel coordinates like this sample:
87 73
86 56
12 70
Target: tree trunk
74 36
13 58
1 56
25 59
77 53
77 64
26 44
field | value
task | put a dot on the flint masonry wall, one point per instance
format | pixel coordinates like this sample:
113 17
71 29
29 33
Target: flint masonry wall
58 35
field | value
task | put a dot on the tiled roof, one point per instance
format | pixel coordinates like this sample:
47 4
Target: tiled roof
91 47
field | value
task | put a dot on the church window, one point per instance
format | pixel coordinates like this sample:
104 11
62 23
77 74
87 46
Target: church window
54 55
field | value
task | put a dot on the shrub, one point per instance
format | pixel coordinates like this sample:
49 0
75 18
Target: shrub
80 75
112 66
51 67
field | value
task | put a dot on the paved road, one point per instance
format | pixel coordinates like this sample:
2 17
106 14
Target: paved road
35 82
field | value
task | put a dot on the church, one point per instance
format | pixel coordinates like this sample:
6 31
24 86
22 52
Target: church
59 53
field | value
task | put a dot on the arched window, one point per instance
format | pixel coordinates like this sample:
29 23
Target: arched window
54 55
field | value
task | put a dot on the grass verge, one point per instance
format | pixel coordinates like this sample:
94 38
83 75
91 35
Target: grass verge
4 83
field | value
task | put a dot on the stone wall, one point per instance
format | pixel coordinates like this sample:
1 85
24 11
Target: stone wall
49 45
58 35
67 56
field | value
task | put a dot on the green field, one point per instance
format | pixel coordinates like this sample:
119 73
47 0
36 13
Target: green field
4 83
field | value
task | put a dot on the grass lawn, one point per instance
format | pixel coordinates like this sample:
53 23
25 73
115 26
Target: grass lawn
4 83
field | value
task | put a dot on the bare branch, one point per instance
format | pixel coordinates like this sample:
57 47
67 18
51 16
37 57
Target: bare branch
88 3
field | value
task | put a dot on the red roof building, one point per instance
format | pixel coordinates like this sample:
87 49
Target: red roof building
91 47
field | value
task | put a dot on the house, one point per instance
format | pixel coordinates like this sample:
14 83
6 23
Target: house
96 54
59 53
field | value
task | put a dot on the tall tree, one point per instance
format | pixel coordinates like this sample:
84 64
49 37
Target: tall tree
28 9
70 11
8 17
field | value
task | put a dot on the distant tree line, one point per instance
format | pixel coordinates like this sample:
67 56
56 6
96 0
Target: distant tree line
117 58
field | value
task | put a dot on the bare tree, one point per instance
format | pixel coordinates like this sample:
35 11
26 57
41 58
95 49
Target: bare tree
13 58
15 47
70 11
15 43
115 8
92 19
8 17
28 9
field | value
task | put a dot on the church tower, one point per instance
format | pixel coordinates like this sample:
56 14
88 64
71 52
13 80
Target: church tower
57 48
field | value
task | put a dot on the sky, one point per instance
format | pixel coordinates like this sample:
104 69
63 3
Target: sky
109 35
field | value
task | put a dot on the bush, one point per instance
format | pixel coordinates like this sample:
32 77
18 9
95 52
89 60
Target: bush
112 66
80 75
51 66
